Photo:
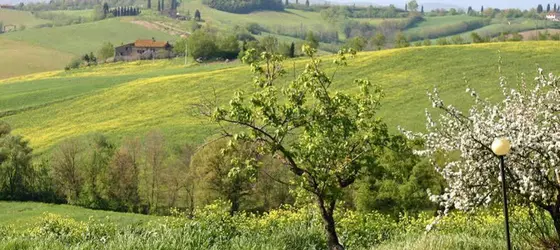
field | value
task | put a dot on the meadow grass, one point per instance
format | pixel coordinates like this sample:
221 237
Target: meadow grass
87 13
37 226
22 215
88 37
20 58
17 17
162 97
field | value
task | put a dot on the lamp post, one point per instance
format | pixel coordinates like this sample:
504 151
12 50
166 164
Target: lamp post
501 147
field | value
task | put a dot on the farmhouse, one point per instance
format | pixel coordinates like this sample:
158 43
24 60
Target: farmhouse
144 49
553 16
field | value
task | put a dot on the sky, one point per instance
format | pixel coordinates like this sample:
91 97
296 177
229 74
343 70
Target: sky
502 4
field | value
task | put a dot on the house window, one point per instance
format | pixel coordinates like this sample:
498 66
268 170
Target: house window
140 51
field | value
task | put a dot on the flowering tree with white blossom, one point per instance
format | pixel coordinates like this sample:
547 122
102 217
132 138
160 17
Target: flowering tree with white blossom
529 117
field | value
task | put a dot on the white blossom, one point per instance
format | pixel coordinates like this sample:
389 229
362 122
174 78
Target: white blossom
528 116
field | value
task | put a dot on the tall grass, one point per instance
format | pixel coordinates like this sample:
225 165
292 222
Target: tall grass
288 228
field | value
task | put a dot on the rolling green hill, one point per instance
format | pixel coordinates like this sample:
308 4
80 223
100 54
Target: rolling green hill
131 103
82 38
18 18
20 58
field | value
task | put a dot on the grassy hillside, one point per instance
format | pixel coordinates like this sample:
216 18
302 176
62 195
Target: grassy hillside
82 38
161 97
18 18
19 58
21 215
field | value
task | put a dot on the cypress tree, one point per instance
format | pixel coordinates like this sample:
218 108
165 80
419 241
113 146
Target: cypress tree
162 5
292 50
548 8
555 9
159 5
422 9
149 4
406 7
286 3
307 3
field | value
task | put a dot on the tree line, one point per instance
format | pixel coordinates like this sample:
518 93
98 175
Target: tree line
244 7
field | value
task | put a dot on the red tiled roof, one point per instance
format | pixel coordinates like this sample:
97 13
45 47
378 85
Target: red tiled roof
149 44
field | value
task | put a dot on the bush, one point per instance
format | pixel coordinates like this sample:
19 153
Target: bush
74 63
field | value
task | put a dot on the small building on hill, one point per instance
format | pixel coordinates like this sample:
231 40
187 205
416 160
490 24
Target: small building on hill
553 16
144 49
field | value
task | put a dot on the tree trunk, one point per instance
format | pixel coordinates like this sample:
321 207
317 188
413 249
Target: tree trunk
330 228
555 214
234 206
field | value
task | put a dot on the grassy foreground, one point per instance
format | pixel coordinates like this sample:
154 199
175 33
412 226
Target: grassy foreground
142 96
37 226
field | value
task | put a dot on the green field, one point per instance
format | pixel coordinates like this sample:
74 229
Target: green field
22 215
20 58
161 97
18 18
83 38
74 13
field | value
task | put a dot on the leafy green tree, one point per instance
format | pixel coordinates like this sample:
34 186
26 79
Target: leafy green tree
476 38
152 171
105 9
219 168
457 39
269 44
442 41
202 44
379 41
94 172
106 51
92 59
413 5
228 46
122 177
399 183
357 43
66 169
16 171
427 42
401 41
330 142
311 40
180 46
98 13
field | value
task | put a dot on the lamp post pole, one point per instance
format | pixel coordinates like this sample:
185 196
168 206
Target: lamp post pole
501 148
504 194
